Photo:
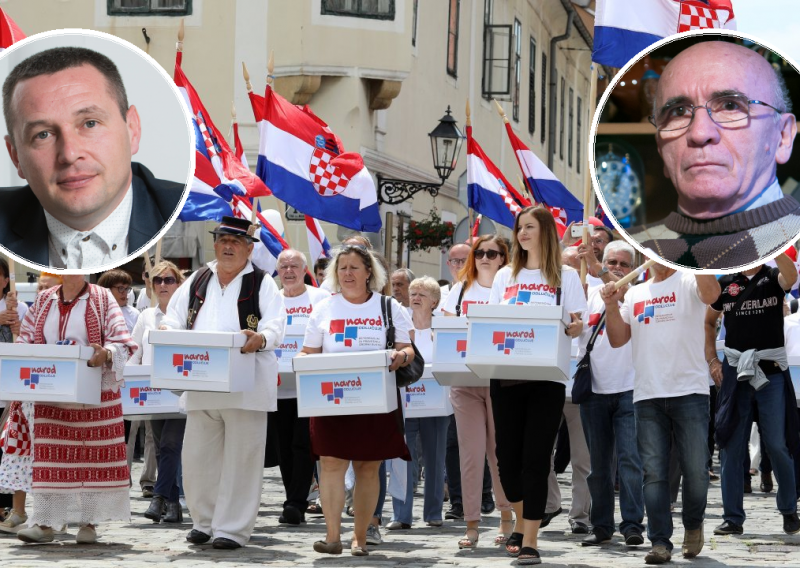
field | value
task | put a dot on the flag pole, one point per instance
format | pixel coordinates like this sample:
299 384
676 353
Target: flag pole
588 195
502 114
246 76
633 275
149 269
12 284
270 79
470 212
179 45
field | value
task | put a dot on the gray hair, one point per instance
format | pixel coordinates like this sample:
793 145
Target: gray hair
782 97
429 285
287 252
377 274
619 246
405 272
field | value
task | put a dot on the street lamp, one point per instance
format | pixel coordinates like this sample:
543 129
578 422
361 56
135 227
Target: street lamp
446 142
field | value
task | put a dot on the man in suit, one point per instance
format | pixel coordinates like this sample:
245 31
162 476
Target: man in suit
71 135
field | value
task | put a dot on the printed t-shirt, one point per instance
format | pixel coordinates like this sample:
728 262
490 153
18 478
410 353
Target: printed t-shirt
475 294
298 311
529 287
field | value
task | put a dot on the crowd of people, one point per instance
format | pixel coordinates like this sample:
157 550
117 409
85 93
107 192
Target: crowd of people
660 390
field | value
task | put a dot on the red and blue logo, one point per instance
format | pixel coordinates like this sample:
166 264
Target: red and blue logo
515 296
343 333
506 341
185 362
414 391
139 394
461 347
333 391
643 313
30 376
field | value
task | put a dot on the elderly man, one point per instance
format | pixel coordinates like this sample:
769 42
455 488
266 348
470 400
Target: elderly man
223 451
286 431
754 370
663 320
722 115
71 135
608 420
401 279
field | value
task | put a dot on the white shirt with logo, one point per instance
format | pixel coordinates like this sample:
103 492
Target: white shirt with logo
667 336
530 287
612 369
298 312
475 294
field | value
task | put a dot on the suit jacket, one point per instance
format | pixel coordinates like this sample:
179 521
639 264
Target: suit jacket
23 226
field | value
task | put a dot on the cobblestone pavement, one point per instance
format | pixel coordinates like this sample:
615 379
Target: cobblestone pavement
142 543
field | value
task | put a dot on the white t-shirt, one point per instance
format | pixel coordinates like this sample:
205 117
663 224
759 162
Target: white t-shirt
612 369
423 339
668 335
529 287
299 308
475 294
338 326
131 315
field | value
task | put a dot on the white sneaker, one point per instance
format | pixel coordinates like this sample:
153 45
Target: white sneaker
13 522
373 534
86 535
62 530
35 534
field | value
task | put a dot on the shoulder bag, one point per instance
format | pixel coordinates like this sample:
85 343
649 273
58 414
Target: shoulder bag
412 372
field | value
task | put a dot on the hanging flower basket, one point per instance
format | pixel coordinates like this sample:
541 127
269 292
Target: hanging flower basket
429 233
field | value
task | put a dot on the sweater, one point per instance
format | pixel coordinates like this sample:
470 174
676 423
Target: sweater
727 242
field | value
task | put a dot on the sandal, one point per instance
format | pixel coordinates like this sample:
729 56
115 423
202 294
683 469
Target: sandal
328 547
314 509
514 541
356 550
502 538
528 556
467 542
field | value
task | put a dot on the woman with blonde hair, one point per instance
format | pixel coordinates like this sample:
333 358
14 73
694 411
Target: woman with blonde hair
472 406
527 414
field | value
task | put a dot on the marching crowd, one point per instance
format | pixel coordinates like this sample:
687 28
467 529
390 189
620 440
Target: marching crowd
661 397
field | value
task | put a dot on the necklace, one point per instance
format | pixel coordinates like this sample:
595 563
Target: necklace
64 309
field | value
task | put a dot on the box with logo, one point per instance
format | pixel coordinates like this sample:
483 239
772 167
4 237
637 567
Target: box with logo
291 345
140 401
449 353
518 342
794 370
426 398
573 366
335 384
48 373
201 361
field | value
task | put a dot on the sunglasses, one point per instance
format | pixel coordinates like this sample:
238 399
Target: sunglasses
490 254
168 280
122 289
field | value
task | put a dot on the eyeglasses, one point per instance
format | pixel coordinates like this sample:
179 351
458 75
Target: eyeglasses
168 280
617 263
457 261
722 110
490 254
122 289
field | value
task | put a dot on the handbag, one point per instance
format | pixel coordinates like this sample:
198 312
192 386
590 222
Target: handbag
411 373
16 436
582 385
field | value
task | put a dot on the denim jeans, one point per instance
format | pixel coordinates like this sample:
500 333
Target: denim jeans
656 420
609 423
382 491
433 433
169 458
772 414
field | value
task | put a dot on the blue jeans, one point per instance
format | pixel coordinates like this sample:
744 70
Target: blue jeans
382 492
169 458
657 419
772 418
433 433
609 423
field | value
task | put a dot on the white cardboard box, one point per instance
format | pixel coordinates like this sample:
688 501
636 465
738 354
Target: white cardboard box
794 371
291 345
449 353
573 366
426 398
141 401
48 373
336 384
201 361
518 342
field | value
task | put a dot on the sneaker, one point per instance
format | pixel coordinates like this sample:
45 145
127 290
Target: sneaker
578 527
633 538
596 539
658 555
791 524
729 528
435 523
397 525
147 492
374 534
86 535
35 534
455 512
693 542
13 522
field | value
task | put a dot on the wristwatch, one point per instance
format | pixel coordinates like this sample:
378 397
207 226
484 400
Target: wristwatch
108 355
602 271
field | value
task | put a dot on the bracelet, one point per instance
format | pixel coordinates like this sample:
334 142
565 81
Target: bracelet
263 342
712 360
405 354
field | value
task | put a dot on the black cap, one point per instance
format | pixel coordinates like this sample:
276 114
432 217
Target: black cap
236 227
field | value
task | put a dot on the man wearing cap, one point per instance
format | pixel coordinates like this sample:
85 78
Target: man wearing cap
723 123
223 452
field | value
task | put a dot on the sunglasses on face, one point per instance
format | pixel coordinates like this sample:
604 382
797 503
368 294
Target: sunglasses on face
490 254
168 280
122 289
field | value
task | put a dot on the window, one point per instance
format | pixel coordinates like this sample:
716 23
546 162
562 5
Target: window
544 98
374 9
414 23
532 88
561 130
150 7
569 131
578 149
496 61
452 38
515 94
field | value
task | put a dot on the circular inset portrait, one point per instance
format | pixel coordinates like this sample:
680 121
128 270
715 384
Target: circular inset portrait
693 152
100 151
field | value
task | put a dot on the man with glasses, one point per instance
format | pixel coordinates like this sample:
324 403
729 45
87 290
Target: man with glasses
724 123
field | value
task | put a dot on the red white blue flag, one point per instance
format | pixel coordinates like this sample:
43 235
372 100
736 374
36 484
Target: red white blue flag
9 31
304 164
318 244
624 28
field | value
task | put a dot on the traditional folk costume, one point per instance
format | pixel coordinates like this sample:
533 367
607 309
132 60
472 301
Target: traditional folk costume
80 474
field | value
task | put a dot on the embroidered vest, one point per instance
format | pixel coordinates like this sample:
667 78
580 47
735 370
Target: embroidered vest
249 312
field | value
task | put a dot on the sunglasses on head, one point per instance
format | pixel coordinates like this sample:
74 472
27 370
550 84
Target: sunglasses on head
490 254
168 280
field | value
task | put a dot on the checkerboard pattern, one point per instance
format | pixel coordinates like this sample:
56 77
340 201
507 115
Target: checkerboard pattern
327 178
694 17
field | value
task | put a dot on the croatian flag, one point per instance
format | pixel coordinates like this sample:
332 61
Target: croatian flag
318 244
216 165
547 189
488 191
9 31
601 215
303 164
623 29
